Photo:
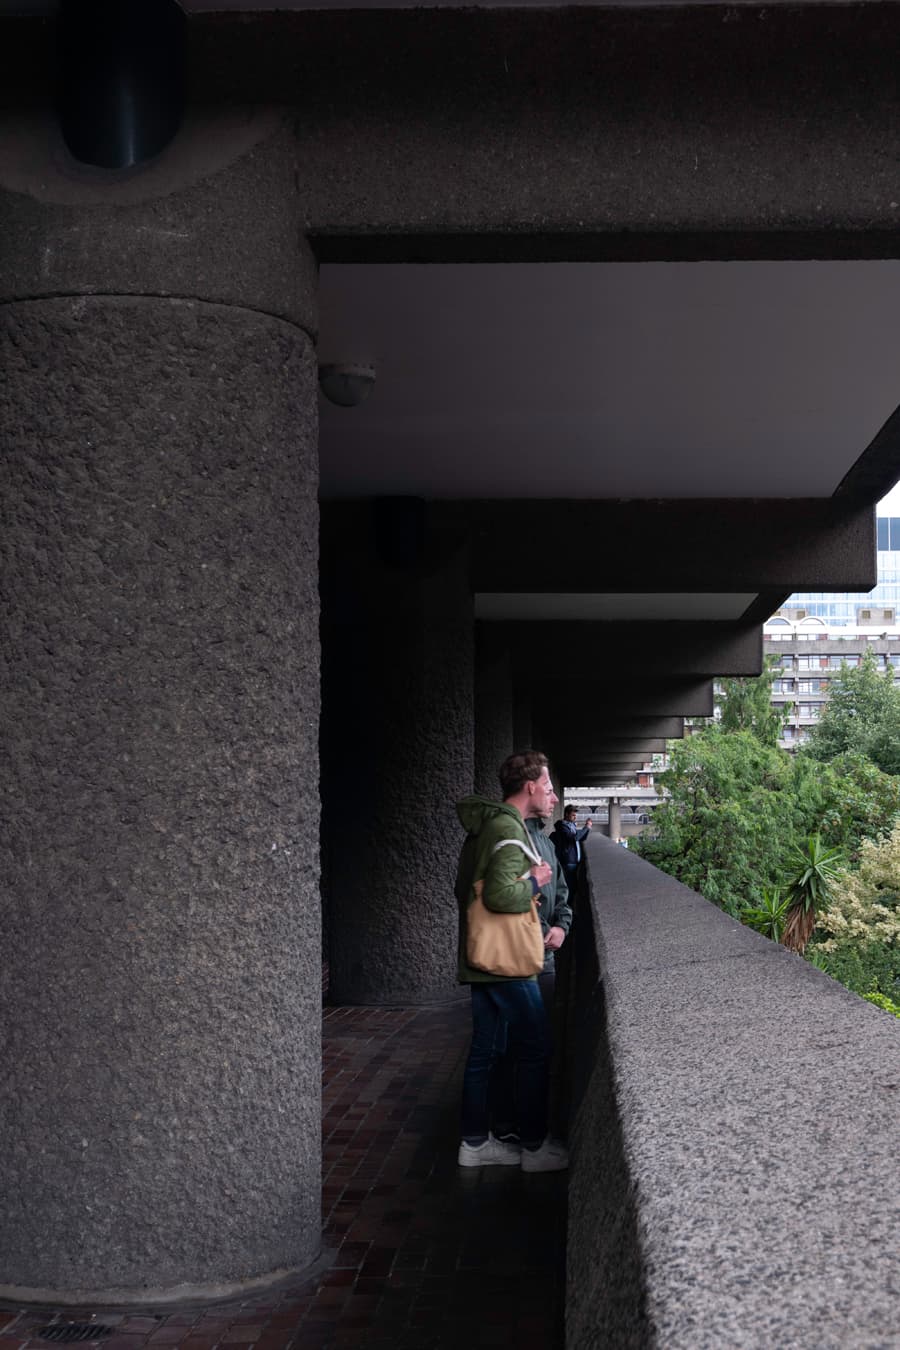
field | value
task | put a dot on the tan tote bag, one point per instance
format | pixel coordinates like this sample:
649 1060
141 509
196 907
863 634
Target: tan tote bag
510 945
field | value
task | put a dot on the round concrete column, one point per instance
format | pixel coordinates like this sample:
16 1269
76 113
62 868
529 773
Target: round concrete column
160 999
614 829
397 752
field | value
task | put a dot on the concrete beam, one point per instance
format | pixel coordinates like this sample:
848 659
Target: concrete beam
609 761
601 775
567 751
628 141
632 649
594 730
663 148
748 545
610 697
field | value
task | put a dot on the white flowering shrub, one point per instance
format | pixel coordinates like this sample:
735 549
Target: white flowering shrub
864 904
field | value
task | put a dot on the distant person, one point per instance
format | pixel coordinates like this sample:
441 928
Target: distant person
500 864
567 840
555 911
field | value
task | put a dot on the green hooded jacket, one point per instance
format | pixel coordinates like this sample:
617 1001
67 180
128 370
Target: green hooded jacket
487 823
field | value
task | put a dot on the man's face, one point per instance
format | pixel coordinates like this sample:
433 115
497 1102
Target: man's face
571 815
542 799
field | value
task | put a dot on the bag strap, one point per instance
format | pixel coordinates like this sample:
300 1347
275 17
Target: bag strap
533 854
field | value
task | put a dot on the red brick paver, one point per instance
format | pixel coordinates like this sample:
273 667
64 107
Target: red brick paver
418 1254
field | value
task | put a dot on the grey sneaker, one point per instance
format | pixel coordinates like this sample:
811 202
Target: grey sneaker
492 1153
550 1157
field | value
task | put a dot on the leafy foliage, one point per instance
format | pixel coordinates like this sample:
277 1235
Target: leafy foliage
745 704
731 816
809 886
862 715
882 1001
773 838
767 917
864 907
859 800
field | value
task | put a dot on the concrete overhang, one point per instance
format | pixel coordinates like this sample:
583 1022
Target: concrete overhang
639 697
595 773
632 553
631 650
605 748
604 730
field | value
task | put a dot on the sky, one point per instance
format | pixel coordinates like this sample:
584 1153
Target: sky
890 505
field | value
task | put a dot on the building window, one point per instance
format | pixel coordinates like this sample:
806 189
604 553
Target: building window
835 662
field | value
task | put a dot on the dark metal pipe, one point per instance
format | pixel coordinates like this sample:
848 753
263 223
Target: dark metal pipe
121 78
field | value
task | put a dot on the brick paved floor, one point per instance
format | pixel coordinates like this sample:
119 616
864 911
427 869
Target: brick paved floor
418 1254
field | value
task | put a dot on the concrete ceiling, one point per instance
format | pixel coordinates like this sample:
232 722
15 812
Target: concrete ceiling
706 379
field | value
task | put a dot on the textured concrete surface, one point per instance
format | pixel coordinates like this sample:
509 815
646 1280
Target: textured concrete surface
708 117
397 753
190 226
160 1002
544 128
751 1102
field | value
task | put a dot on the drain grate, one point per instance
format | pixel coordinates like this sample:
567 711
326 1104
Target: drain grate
69 1332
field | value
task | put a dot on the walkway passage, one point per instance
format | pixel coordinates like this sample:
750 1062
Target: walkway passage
419 1255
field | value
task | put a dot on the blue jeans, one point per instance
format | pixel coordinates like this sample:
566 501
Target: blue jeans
508 1017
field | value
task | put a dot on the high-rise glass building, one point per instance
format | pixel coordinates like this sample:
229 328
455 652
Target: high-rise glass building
880 606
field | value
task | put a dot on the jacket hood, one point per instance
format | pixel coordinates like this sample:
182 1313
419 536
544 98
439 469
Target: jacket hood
474 812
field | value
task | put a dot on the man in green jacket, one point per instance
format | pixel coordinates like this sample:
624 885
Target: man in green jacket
506 1009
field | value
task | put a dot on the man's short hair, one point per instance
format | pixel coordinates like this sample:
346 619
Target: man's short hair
518 769
570 811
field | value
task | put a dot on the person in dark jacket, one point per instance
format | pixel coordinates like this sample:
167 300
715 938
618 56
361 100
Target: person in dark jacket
567 840
555 912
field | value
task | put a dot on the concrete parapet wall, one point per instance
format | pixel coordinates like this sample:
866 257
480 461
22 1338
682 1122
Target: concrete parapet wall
734 1144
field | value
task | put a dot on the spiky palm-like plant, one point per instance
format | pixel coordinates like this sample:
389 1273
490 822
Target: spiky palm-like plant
808 890
768 917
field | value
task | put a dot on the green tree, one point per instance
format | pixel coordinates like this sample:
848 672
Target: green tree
731 816
745 704
859 801
862 716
